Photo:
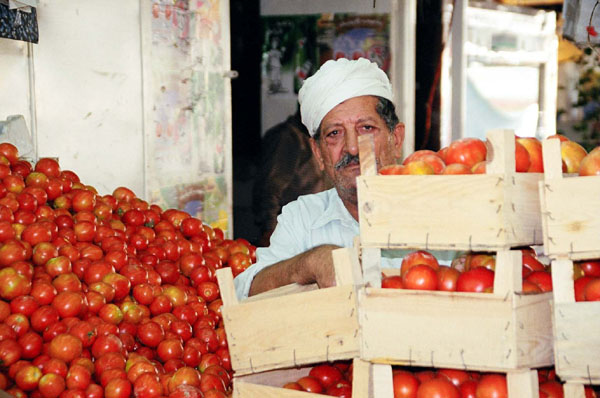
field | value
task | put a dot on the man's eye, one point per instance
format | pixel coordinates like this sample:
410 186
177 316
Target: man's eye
333 133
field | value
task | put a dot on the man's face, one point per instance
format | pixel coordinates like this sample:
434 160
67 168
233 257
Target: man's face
337 148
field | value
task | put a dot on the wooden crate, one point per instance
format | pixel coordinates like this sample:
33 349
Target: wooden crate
492 211
291 326
570 209
501 331
576 337
368 381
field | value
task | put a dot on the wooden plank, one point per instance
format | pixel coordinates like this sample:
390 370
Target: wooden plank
345 263
247 390
572 212
296 329
576 343
501 149
361 378
562 281
523 383
534 337
366 150
508 272
371 266
574 390
432 341
496 214
226 287
382 381
292 288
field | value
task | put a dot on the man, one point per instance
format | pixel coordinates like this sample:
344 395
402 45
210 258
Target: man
343 100
287 170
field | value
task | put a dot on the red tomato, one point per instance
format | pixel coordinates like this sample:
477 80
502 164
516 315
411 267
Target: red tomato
447 278
590 268
467 151
439 387
310 384
405 384
476 280
118 388
416 258
10 351
541 278
468 389
66 347
492 386
326 374
420 277
592 290
392 282
150 334
51 385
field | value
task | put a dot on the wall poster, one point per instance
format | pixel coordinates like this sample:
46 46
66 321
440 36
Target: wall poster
295 46
188 108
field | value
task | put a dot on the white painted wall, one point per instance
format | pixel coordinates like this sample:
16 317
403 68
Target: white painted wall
14 79
87 80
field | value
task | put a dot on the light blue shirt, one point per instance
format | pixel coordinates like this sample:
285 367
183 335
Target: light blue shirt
311 221
303 224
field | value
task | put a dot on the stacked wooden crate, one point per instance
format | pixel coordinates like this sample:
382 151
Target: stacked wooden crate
505 331
275 336
571 231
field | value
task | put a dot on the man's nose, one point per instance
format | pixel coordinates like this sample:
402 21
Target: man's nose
352 143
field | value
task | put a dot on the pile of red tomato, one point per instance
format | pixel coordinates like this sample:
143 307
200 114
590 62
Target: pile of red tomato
335 379
471 272
454 383
107 296
468 156
587 280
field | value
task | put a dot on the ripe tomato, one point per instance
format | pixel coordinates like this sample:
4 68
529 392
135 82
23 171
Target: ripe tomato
51 385
66 347
447 278
467 151
543 279
420 277
592 290
326 374
392 282
438 387
492 386
405 384
476 280
310 384
118 388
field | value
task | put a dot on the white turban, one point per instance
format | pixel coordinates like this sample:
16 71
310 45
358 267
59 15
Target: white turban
337 81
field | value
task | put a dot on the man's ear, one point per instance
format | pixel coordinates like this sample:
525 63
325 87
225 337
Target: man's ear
398 135
314 145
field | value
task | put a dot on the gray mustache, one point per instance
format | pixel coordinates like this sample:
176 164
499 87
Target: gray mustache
346 160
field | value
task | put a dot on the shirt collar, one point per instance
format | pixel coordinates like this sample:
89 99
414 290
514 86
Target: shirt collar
335 210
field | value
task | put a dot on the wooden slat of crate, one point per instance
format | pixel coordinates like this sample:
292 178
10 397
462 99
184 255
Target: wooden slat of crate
479 331
296 329
576 326
490 211
368 381
570 209
577 343
461 212
272 331
455 330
